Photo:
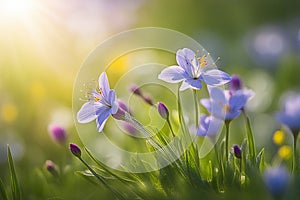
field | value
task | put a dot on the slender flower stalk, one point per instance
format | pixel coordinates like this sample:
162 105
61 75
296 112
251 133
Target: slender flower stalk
227 123
164 113
295 155
196 108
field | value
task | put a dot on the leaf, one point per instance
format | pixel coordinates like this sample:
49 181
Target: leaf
14 181
3 194
260 160
251 143
87 176
122 179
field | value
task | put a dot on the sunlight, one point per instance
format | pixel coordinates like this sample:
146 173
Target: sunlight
12 9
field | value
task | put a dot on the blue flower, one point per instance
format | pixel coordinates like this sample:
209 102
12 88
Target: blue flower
192 70
208 126
276 179
226 105
290 116
101 105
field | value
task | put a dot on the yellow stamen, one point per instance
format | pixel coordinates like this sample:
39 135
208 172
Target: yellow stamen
278 137
226 108
202 61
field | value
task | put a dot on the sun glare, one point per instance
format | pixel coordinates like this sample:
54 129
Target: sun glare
13 9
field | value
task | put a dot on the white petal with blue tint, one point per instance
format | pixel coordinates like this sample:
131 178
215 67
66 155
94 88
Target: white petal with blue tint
104 84
86 113
173 74
215 77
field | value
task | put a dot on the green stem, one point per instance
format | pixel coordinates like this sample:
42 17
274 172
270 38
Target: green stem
116 193
196 108
170 126
227 122
240 165
295 163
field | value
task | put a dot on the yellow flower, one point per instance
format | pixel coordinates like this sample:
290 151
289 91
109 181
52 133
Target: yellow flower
9 112
278 137
285 152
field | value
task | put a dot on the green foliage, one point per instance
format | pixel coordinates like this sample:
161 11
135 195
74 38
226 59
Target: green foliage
13 177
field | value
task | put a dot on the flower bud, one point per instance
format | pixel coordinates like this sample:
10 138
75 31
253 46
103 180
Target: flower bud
51 167
75 150
136 90
129 128
163 110
235 83
148 100
120 114
237 151
57 133
123 106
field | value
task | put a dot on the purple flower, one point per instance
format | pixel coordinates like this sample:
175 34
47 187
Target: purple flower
290 116
226 105
208 126
163 110
75 150
129 128
276 179
57 133
136 90
235 83
102 104
192 70
237 151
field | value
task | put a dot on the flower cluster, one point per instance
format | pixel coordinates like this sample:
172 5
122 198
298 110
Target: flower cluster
227 101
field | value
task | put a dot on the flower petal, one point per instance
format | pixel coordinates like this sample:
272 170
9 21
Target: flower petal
86 113
214 127
215 77
184 58
239 99
191 83
218 95
104 84
206 103
172 74
112 100
203 125
102 118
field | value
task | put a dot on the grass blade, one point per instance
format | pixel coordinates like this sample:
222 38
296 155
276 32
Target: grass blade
3 194
14 181
250 137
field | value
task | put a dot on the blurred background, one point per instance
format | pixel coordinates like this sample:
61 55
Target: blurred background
44 42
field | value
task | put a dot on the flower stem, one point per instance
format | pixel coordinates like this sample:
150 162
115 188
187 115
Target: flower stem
196 108
171 128
295 163
227 122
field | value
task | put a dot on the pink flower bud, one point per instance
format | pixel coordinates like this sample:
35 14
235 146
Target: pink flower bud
57 133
